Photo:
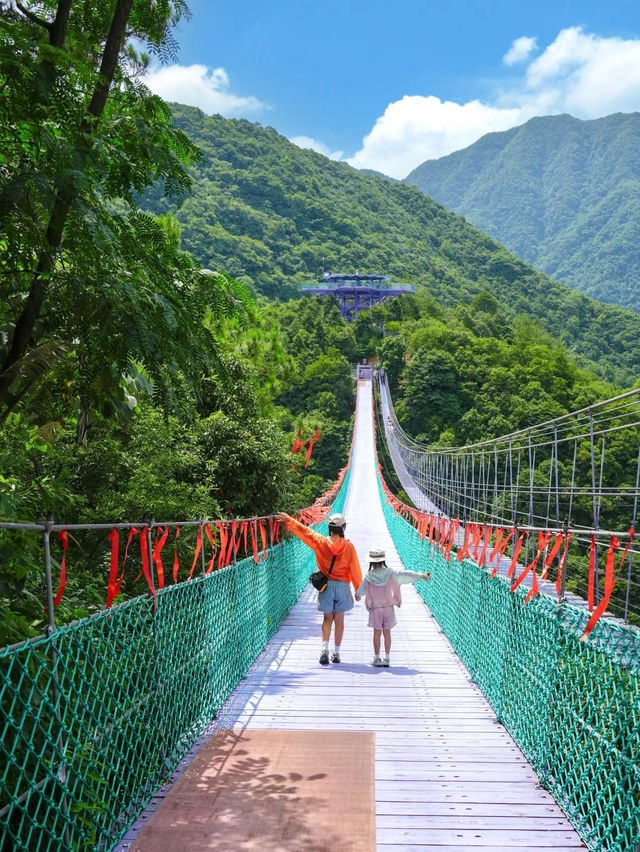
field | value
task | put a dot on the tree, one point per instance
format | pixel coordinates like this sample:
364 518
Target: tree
86 277
432 394
392 353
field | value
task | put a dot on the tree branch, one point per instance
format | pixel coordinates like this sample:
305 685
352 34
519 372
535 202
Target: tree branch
110 54
59 25
41 22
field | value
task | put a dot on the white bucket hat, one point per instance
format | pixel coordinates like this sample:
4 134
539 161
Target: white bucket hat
337 520
376 555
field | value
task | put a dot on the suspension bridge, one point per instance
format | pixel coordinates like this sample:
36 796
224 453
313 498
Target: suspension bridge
198 717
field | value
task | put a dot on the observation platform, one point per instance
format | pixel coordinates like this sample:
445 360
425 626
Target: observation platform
436 769
356 292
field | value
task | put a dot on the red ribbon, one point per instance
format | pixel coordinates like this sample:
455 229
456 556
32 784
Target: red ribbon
207 529
308 455
478 539
609 581
263 536
514 558
499 549
552 554
464 550
232 543
453 529
113 587
487 539
62 535
471 542
176 564
159 543
197 553
563 564
146 565
274 529
543 541
254 542
222 529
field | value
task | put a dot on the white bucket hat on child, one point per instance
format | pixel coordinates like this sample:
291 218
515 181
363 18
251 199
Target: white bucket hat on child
376 555
337 520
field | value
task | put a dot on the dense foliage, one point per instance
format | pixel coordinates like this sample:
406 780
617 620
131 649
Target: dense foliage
225 452
467 373
272 215
561 193
134 383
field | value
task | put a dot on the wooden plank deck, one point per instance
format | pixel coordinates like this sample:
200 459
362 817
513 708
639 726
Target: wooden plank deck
447 775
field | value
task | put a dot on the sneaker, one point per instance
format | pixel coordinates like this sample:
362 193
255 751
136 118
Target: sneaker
376 661
335 657
385 662
324 658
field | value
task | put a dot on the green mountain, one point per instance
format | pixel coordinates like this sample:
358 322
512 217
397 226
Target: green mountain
273 215
561 193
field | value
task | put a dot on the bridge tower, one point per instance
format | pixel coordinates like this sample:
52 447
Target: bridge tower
355 292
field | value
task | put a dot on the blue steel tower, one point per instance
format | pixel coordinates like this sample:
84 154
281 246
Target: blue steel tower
355 293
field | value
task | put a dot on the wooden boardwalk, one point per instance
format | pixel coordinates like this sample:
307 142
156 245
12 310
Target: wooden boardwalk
447 775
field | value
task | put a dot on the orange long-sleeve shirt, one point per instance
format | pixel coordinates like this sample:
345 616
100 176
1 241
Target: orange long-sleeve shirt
346 567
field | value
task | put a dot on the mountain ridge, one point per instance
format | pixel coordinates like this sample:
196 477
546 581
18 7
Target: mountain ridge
272 215
560 192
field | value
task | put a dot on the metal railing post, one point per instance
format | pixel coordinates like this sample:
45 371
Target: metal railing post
202 559
150 524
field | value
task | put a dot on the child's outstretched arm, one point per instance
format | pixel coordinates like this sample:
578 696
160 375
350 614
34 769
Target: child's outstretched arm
410 576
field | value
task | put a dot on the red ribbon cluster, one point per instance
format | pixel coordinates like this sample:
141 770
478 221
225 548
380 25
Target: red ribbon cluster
226 539
299 445
480 540
610 577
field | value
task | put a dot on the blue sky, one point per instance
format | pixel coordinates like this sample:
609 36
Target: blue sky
387 84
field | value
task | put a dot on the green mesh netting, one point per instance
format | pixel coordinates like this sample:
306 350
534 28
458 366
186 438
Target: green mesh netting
572 707
97 716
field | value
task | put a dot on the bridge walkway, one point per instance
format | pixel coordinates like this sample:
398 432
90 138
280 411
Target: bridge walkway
447 775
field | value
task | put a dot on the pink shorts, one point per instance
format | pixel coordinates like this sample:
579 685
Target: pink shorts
382 618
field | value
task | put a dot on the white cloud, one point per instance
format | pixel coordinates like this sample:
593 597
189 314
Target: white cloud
521 48
198 85
417 128
588 76
318 147
580 73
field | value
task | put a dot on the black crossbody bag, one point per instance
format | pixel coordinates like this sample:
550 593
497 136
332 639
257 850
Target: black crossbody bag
319 579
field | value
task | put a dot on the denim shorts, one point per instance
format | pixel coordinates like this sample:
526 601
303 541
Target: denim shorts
336 597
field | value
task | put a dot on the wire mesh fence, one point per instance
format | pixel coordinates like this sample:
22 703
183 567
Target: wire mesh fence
97 715
578 474
573 707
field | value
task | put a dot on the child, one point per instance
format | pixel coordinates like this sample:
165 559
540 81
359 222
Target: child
381 587
337 558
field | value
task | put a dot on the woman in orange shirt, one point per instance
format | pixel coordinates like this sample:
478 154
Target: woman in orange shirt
337 558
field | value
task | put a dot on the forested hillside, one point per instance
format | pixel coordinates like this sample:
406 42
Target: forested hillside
139 378
272 215
561 193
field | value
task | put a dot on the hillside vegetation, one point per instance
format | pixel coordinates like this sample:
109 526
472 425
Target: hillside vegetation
272 214
561 193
